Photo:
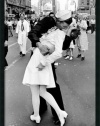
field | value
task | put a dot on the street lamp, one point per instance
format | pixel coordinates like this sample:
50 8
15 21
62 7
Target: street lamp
75 5
19 6
54 6
40 6
91 5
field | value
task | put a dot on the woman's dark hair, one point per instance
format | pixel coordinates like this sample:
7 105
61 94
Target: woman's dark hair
46 23
51 13
41 27
69 21
75 33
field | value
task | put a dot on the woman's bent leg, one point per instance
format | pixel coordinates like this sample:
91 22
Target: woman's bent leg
50 99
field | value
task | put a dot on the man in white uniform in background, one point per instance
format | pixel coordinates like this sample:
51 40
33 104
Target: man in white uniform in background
92 21
22 30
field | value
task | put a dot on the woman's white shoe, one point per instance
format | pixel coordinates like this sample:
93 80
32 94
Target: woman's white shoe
62 117
67 57
71 58
35 118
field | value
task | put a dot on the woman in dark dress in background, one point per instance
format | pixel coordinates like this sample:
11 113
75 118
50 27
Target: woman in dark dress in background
5 44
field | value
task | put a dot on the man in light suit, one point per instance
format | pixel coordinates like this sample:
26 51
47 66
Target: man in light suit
22 30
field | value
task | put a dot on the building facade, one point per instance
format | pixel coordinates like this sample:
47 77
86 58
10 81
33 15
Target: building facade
86 6
17 6
48 5
82 4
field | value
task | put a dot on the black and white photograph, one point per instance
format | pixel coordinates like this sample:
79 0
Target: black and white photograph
49 62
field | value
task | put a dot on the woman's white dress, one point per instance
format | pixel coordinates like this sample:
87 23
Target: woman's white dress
72 46
32 75
83 38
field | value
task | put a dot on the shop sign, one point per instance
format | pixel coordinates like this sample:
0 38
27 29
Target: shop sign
14 2
11 15
27 8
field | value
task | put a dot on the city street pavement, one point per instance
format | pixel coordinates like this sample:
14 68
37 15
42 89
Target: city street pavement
76 79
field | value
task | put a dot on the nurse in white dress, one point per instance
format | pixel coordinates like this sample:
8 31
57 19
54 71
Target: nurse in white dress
35 77
38 74
83 39
22 30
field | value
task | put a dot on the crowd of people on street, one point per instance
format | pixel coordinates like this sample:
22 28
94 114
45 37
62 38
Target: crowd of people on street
52 36
81 42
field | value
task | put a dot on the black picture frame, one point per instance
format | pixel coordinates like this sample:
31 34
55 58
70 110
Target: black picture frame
2 63
97 72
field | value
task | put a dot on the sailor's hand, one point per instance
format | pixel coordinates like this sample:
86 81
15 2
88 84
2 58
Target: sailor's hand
40 67
69 31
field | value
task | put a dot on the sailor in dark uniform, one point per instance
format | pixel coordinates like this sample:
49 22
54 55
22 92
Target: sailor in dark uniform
34 35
